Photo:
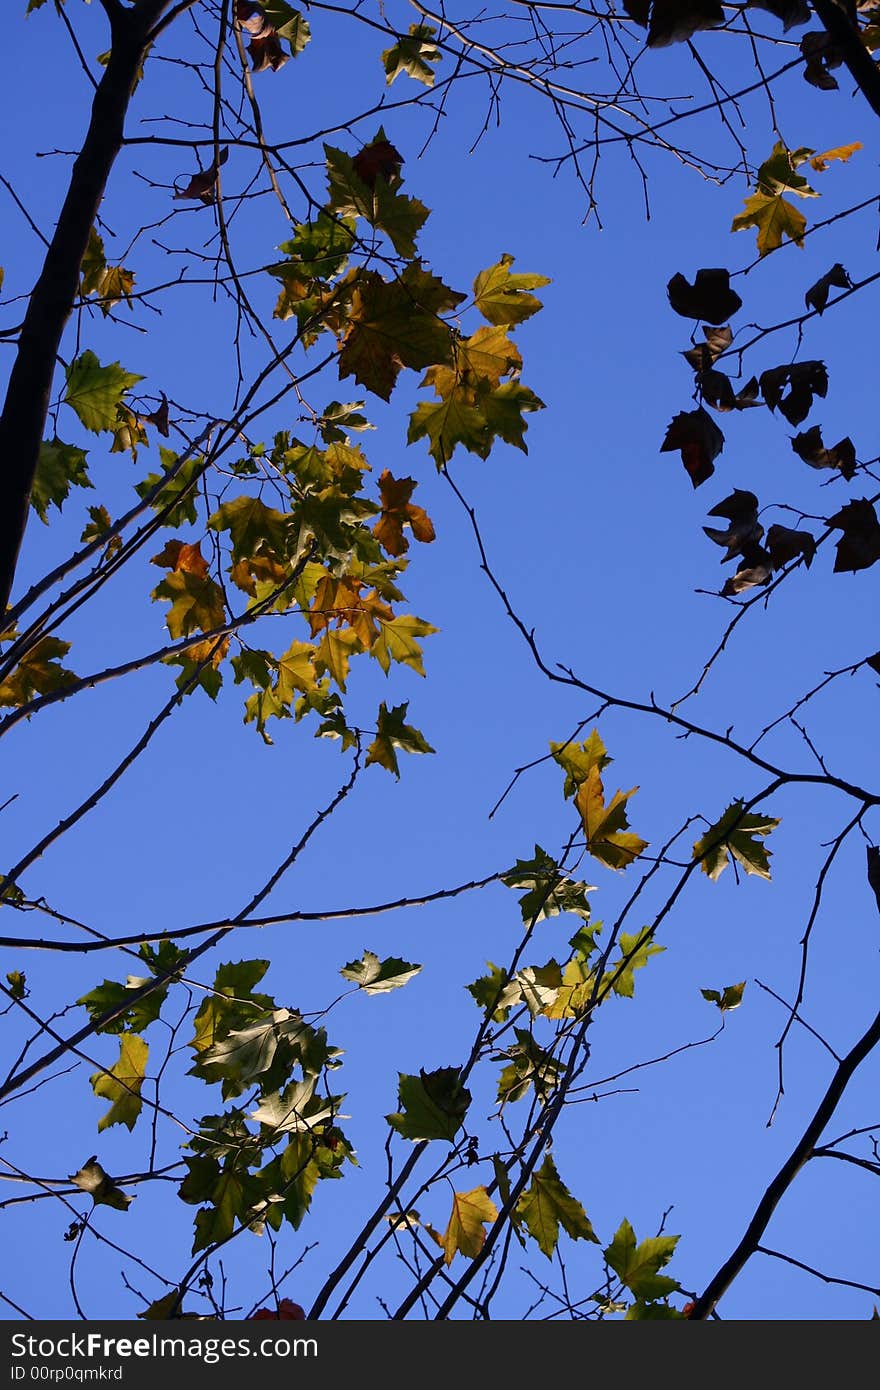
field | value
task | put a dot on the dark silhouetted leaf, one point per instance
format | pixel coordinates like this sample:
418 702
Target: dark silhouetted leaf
810 448
702 356
741 510
874 871
816 296
791 12
859 546
791 389
673 21
700 441
709 297
755 569
785 544
820 54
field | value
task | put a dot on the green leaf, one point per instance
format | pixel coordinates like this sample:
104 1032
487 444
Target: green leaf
413 54
297 1108
496 991
392 733
540 985
375 976
578 759
548 890
734 836
17 982
38 673
59 468
547 1205
529 1065
397 641
179 495
102 1189
121 1085
135 1017
432 1105
502 297
231 1004
95 392
399 217
635 952
637 1266
288 23
726 999
254 528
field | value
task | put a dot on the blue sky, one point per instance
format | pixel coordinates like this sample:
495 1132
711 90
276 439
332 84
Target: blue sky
597 538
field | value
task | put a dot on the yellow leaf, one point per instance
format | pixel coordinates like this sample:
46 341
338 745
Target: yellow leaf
606 826
122 1083
820 162
464 1234
773 218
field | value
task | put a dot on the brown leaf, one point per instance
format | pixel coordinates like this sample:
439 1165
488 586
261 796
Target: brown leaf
158 417
874 871
252 19
791 12
702 356
397 512
203 184
709 297
755 569
377 160
267 52
699 439
859 546
177 555
820 54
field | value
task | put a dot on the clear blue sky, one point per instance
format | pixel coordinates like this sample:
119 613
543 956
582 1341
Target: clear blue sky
597 538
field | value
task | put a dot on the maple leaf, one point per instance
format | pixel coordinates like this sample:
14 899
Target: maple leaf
397 512
785 544
859 546
636 950
38 673
730 997
203 185
709 297
734 836
95 392
375 976
809 447
465 1233
103 1191
392 733
816 296
792 387
700 441
394 325
578 759
253 527
605 826
432 1105
773 217
397 642
197 602
121 1085
59 468
413 53
334 653
547 1206
503 297
638 1265
365 186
